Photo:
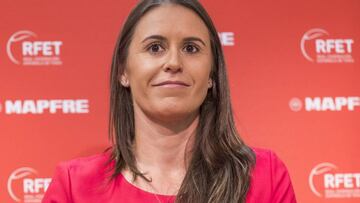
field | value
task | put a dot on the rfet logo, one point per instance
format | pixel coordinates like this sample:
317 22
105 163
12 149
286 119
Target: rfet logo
24 48
24 185
326 181
318 46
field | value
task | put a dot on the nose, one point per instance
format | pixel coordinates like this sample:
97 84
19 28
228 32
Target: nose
173 62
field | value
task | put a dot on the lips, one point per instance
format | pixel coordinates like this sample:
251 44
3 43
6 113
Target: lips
172 83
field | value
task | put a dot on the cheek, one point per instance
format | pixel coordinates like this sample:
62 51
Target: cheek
200 73
140 72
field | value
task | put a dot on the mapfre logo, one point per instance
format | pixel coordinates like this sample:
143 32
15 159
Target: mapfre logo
24 48
227 38
46 106
326 181
318 46
325 103
24 185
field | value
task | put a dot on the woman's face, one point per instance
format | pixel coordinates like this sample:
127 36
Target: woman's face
169 63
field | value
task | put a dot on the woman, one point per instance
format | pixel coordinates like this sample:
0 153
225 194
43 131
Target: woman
171 122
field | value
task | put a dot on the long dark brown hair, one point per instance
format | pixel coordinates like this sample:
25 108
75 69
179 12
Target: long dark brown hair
221 163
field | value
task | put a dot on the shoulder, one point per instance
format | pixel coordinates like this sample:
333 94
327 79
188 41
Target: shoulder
86 170
270 179
89 169
266 158
79 178
89 164
267 165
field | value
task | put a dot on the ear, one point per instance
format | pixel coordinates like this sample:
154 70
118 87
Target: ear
210 83
124 80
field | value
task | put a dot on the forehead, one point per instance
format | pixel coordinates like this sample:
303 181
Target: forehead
171 20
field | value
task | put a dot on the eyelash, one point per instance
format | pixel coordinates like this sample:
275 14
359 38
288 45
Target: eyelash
159 44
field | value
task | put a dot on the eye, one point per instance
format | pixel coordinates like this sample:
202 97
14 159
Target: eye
155 48
191 48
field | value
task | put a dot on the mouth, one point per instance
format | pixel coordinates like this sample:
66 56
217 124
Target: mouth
172 84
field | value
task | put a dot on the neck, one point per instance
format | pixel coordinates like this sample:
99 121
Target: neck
164 147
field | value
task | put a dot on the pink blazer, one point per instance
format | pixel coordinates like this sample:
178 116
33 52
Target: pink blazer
85 180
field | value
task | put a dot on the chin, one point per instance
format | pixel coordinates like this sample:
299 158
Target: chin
173 113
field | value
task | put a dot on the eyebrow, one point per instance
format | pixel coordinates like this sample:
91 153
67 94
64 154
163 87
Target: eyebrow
162 38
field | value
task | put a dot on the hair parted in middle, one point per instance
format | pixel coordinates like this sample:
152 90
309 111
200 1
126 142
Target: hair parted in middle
220 165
